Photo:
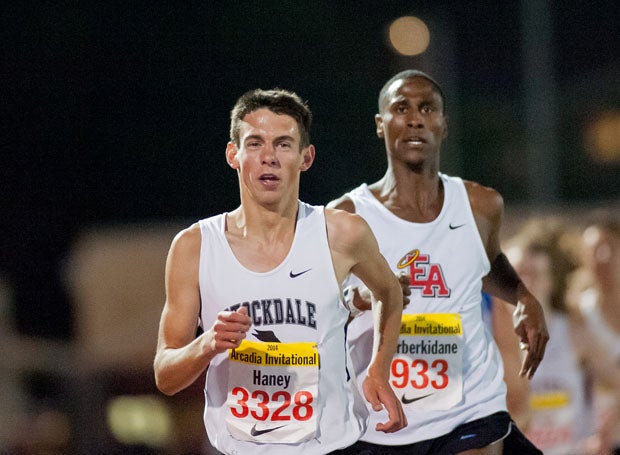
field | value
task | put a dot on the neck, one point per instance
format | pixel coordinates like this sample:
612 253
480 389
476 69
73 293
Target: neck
261 222
414 196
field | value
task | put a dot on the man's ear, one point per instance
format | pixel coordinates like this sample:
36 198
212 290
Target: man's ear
231 155
308 158
379 123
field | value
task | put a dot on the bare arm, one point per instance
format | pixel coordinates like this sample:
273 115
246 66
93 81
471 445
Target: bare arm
507 341
503 282
181 357
355 250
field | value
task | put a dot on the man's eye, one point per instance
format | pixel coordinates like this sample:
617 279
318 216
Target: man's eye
285 145
401 109
427 109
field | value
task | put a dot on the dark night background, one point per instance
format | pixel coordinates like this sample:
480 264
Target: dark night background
117 112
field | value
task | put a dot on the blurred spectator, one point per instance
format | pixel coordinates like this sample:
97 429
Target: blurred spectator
541 255
595 294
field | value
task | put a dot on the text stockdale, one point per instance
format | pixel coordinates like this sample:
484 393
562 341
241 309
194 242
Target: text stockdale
280 311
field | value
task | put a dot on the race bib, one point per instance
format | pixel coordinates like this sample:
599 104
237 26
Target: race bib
552 421
273 391
426 371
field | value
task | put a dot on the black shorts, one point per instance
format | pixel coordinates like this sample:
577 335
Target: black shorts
471 435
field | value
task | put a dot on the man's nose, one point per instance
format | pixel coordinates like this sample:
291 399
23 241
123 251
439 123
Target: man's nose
415 119
269 154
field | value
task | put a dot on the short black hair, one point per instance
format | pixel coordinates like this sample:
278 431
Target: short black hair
278 101
408 74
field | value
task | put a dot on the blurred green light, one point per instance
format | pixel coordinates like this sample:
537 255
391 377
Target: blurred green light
141 419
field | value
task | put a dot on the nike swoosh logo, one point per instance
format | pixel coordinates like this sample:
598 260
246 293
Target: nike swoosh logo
255 432
295 275
456 227
411 400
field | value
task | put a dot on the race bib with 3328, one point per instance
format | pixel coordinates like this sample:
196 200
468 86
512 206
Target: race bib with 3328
272 392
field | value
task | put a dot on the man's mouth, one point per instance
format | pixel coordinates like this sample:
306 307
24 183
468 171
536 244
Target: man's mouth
415 140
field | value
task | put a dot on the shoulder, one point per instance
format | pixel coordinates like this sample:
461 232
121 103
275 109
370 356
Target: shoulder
345 229
188 240
487 206
184 255
344 220
579 294
350 240
189 234
485 201
344 202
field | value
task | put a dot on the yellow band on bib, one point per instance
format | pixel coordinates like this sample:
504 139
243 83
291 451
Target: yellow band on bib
304 354
433 324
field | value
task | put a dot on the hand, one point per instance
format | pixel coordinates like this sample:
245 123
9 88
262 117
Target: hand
529 323
363 298
403 280
379 394
229 330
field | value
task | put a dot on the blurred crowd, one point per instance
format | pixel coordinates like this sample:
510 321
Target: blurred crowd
572 405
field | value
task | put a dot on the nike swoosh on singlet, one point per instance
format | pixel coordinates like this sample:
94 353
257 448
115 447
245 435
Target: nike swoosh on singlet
295 275
411 400
255 432
455 227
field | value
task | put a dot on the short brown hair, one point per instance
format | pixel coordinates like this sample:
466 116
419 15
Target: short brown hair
278 101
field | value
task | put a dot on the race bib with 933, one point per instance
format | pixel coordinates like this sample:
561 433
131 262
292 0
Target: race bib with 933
272 392
426 371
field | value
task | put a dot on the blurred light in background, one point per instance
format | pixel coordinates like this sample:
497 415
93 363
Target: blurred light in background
140 420
409 35
602 138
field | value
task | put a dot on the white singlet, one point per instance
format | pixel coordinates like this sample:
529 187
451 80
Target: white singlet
605 399
287 388
447 370
560 415
597 325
